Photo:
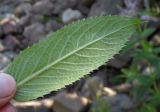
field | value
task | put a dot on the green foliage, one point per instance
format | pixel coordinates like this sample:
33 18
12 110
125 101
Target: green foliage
69 54
146 82
147 108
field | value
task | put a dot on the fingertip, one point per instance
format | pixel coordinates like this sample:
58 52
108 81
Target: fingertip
7 85
7 88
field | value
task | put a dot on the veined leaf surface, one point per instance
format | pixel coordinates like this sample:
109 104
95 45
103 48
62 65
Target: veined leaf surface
69 54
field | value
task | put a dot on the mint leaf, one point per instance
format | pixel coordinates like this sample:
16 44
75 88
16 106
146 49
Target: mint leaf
69 54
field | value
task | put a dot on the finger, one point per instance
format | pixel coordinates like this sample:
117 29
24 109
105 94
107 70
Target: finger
7 88
8 108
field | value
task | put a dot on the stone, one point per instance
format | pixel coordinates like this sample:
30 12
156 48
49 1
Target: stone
44 105
70 15
6 9
10 54
119 61
108 91
88 3
34 33
4 61
11 42
52 25
69 102
10 26
44 7
83 9
2 48
29 19
156 39
1 31
61 5
132 8
25 20
23 1
119 102
23 9
92 87
33 109
105 7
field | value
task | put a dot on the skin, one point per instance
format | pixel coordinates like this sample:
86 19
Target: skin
7 92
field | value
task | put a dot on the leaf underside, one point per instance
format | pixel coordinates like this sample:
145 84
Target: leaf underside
69 54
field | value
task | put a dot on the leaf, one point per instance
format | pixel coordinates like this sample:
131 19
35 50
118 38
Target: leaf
69 54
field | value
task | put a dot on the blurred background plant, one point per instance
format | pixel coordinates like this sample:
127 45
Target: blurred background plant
144 71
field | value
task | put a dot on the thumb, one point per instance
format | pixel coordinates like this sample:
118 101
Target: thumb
7 88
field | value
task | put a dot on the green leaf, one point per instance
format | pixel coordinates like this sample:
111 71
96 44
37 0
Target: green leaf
69 54
148 108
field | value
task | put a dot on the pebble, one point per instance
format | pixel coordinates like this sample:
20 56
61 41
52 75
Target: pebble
69 102
4 61
70 15
2 48
119 102
44 7
10 54
92 87
61 5
34 33
52 25
105 7
11 42
10 26
23 9
120 60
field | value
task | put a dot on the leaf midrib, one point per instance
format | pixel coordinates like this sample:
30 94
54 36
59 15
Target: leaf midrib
66 56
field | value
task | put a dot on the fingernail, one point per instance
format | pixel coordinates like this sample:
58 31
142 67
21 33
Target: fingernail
7 85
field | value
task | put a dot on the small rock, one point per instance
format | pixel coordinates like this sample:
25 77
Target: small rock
119 102
34 33
44 7
6 8
10 54
29 19
156 40
69 102
61 5
10 26
23 9
33 109
88 2
1 32
132 7
11 42
83 9
71 15
109 92
23 1
4 61
52 26
25 20
44 105
1 47
119 61
105 7
92 87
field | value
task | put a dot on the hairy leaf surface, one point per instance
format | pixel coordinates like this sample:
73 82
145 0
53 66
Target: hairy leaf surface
69 54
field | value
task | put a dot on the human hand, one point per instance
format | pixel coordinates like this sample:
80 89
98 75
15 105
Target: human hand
7 92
